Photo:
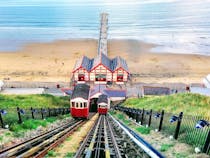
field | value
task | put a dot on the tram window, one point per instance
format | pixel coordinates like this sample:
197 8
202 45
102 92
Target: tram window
81 105
77 105
103 106
72 104
85 105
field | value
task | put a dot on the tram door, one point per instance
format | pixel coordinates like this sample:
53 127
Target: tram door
93 105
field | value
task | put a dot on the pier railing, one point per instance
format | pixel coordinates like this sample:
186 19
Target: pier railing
193 130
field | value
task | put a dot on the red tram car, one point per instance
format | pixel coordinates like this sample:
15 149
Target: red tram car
103 104
79 103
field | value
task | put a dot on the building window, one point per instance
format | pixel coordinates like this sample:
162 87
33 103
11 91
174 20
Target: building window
81 77
119 77
100 77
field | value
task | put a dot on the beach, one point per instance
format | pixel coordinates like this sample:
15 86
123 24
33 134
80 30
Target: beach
54 62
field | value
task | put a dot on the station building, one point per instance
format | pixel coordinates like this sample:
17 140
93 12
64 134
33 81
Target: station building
101 69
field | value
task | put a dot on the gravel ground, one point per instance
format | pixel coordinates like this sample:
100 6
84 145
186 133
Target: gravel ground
72 143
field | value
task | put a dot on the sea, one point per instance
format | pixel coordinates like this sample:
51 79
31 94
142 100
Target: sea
176 26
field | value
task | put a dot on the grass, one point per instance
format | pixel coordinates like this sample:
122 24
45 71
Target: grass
125 120
122 117
51 153
180 155
79 129
30 124
165 147
143 130
194 137
69 138
190 104
194 107
69 155
36 101
10 102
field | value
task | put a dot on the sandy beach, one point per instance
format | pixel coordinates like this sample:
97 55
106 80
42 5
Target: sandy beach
53 62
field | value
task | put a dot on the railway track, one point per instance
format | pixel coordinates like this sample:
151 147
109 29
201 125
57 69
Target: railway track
99 142
39 146
107 139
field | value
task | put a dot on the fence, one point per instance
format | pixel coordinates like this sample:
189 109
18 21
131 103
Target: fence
18 115
193 130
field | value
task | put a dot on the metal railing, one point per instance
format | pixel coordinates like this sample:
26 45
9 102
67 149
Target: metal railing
18 115
193 130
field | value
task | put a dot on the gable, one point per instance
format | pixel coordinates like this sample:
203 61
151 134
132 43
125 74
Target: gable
81 70
121 69
83 63
101 68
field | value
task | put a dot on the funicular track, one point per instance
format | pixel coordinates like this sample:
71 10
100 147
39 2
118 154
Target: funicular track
40 145
99 142
107 139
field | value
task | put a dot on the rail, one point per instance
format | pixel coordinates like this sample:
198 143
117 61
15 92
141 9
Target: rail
39 145
99 141
139 141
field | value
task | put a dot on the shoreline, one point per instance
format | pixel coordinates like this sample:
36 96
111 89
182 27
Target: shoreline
152 49
156 48
54 61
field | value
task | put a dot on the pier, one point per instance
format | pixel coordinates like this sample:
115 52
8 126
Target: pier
102 43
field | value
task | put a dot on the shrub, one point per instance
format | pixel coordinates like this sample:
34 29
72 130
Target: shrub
51 153
69 155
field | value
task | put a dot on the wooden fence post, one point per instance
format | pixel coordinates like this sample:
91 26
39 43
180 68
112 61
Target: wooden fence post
150 118
19 115
161 120
178 125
